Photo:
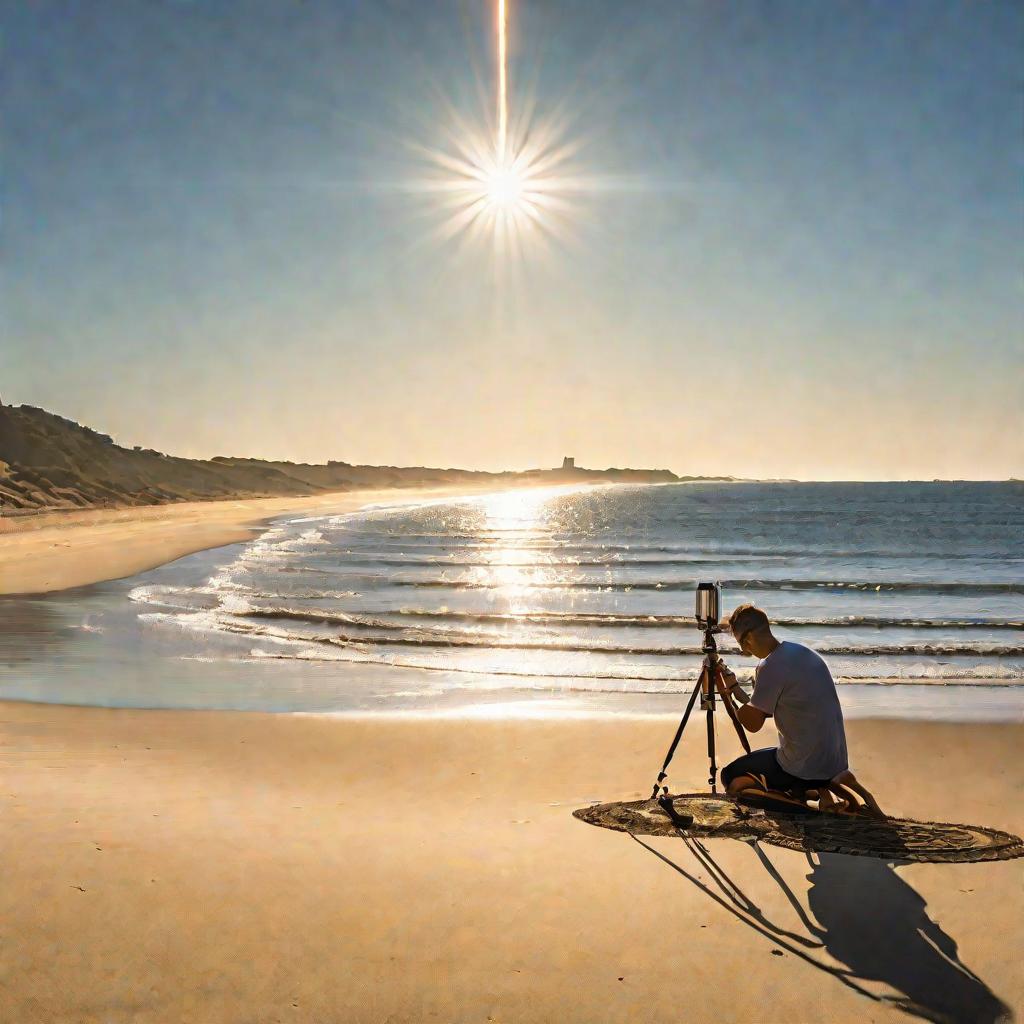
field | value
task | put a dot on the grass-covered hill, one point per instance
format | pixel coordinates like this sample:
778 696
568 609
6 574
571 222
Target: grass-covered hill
49 462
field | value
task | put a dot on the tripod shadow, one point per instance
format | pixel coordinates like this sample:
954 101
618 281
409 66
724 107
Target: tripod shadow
870 920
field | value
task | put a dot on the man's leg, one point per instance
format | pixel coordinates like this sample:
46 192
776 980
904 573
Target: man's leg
848 780
754 769
742 782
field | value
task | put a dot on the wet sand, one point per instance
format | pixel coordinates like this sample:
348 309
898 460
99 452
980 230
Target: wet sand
215 867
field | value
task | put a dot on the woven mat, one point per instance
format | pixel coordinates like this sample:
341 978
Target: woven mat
718 817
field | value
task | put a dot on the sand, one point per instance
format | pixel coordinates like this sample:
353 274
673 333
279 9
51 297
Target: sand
57 550
212 867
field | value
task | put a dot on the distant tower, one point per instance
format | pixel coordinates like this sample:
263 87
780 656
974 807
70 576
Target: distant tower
568 463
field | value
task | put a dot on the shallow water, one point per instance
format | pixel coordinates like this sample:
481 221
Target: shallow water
556 600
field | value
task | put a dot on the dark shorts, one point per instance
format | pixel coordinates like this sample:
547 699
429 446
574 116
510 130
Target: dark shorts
764 766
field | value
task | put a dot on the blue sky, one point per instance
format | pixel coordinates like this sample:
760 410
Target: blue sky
807 260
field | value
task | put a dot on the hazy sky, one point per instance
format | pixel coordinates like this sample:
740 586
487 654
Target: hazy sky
806 260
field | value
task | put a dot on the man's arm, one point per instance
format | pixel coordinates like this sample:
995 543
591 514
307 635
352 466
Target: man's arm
750 718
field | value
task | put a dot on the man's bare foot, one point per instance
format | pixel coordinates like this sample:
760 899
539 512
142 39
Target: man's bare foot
847 780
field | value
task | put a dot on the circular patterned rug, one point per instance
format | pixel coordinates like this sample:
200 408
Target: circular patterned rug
718 817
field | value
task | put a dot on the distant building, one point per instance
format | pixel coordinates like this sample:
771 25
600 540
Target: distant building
568 462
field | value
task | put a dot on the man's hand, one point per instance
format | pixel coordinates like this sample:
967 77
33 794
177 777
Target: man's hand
750 718
727 674
731 686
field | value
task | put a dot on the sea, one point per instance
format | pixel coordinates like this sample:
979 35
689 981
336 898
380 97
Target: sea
567 600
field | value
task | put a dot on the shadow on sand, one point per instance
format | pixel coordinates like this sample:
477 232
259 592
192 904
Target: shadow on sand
868 919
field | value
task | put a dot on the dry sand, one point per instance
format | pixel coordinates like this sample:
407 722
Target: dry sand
56 550
210 867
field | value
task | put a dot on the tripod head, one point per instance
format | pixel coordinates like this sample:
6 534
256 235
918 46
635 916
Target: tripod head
708 645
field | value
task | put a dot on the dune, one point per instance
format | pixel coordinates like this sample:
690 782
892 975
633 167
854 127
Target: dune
50 462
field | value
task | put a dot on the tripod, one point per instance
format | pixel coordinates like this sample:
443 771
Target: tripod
708 683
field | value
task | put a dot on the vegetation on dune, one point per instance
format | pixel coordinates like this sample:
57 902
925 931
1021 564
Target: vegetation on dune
49 462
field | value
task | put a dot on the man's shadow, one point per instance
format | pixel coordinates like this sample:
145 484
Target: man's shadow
869 919
874 922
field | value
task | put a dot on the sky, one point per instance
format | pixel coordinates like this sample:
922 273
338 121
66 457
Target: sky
791 244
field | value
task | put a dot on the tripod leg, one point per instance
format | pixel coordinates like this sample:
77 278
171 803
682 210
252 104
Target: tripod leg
710 694
678 736
731 708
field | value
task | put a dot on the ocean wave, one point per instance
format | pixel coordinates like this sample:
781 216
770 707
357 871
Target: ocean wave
614 562
186 597
293 646
618 620
293 594
211 595
165 596
453 639
681 682
866 586
703 553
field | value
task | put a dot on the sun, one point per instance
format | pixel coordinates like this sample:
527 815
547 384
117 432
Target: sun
505 187
512 180
511 183
517 199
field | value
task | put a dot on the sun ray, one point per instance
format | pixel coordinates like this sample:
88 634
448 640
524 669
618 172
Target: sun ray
502 78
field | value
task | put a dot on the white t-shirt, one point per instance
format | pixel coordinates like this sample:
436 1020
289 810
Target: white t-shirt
794 686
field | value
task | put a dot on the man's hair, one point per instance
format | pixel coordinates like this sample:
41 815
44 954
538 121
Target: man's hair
746 618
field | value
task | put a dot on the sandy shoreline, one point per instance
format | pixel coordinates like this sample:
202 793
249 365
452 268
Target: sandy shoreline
209 867
59 550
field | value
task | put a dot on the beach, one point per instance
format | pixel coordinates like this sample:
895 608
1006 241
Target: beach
221 867
418 418
214 866
47 551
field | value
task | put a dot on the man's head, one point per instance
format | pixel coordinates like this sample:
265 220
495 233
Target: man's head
752 630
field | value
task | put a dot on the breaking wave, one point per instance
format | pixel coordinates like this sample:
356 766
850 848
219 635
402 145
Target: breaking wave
616 620
450 638
903 586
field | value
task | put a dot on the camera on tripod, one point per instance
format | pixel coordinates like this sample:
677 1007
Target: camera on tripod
709 605
707 613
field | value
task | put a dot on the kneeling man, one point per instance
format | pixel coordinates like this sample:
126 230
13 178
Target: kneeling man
793 685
